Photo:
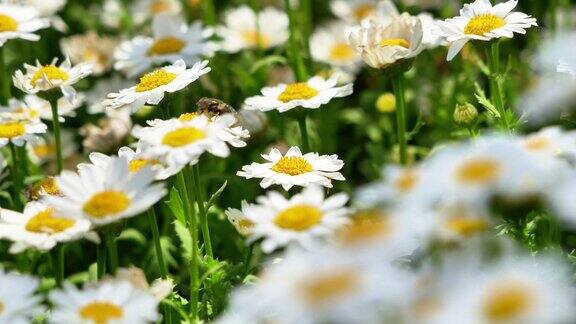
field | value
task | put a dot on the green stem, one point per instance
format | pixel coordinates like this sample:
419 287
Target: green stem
156 237
112 251
209 12
202 214
5 78
17 180
304 133
297 60
307 8
398 85
57 255
57 138
190 211
493 56
101 259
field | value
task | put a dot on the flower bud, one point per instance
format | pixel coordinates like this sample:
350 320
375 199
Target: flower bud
386 103
465 114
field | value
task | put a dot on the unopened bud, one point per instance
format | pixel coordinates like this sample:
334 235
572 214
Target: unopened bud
386 103
465 114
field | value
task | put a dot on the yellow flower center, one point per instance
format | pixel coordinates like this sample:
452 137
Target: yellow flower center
364 10
137 164
298 218
101 312
329 286
297 91
154 80
292 165
255 38
51 72
386 103
365 228
507 301
478 171
187 116
483 24
467 226
1 307
183 136
7 23
106 203
341 52
49 186
45 222
395 42
12 129
537 143
406 181
165 46
158 6
44 150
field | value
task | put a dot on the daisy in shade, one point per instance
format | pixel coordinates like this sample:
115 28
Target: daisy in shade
310 94
19 21
242 224
43 148
41 227
19 131
105 194
303 220
329 45
295 169
482 21
90 48
353 11
173 39
111 301
18 302
40 79
181 141
243 29
153 86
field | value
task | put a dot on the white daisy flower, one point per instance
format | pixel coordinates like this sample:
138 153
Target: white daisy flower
18 302
295 169
303 220
108 302
551 141
310 94
90 48
97 95
142 10
47 9
41 79
240 221
41 227
43 149
19 131
482 21
431 36
242 29
173 40
106 194
397 184
182 141
354 11
38 107
19 21
383 44
329 45
152 86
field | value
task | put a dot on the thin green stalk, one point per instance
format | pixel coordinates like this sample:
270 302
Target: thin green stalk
57 138
202 214
5 78
17 180
493 56
101 259
208 12
307 8
398 85
192 225
297 60
304 133
57 255
112 251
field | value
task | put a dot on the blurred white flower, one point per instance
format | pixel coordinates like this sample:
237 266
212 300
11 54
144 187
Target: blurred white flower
43 149
18 301
329 45
20 21
353 11
143 10
90 48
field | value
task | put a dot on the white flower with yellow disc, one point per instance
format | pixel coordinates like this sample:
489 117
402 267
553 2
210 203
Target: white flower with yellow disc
39 107
295 169
481 20
19 131
153 85
173 40
310 94
19 21
143 10
41 227
106 194
243 29
111 301
43 149
90 48
354 11
303 220
39 79
329 45
18 302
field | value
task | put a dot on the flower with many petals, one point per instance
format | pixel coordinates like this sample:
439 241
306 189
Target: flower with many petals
20 21
18 302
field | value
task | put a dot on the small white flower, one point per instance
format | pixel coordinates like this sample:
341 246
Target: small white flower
242 224
303 220
142 10
20 21
18 302
90 48
482 21
173 40
107 193
97 95
295 169
153 86
41 227
354 11
310 94
182 141
109 302
383 44
19 131
42 78
242 30
397 184
43 149
38 107
329 45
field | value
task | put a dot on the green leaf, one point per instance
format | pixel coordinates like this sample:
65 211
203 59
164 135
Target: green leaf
185 239
175 205
481 97
216 195
267 61
132 234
